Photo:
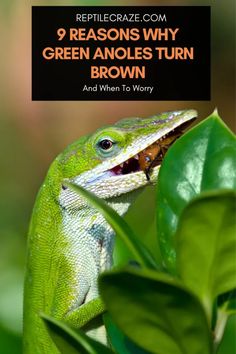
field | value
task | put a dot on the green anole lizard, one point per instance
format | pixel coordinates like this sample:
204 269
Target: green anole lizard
70 243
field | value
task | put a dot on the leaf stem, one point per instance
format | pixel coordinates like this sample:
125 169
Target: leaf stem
219 328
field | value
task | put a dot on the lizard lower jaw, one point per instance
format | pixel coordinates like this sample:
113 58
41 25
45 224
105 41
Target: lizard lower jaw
108 185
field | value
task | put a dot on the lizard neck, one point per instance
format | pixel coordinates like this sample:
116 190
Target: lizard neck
93 232
90 241
90 236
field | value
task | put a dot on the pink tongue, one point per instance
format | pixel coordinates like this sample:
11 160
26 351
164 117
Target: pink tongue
117 170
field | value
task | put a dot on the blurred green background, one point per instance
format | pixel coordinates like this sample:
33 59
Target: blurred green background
33 133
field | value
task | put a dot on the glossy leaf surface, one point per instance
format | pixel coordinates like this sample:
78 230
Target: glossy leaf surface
119 342
205 245
203 159
156 312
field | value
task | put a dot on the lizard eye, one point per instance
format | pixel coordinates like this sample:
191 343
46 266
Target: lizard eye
105 144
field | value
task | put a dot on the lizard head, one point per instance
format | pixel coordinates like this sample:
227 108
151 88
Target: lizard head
121 158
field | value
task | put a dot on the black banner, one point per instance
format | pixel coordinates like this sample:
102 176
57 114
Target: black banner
121 53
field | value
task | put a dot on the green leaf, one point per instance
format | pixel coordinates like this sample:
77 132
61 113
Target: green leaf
119 342
228 343
203 159
122 229
69 341
227 302
116 337
205 246
156 312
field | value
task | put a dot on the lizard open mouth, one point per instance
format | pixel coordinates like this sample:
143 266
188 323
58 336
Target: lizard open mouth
152 155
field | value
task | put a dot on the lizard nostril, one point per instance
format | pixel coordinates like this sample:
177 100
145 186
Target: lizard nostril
64 187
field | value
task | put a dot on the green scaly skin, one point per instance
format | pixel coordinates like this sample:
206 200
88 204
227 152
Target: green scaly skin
70 243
